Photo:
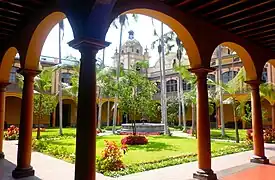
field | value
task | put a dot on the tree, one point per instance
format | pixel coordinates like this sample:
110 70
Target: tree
44 101
232 88
172 110
136 94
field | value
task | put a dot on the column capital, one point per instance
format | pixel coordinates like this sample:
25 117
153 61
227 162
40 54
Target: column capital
81 42
254 83
3 86
201 71
29 72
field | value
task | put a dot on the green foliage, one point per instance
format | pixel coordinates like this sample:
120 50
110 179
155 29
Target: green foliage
247 116
172 111
267 90
136 94
111 158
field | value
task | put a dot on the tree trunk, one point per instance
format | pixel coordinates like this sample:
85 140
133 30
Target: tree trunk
60 85
220 90
108 114
99 115
114 118
236 123
179 101
39 117
193 119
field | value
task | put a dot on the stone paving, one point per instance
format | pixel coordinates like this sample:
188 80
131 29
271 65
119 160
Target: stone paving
49 168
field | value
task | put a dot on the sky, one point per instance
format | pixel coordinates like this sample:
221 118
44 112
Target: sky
143 29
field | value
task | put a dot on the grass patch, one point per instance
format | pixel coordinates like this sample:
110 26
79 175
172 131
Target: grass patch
229 134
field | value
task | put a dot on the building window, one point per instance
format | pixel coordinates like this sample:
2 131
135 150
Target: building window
171 85
213 78
137 51
66 78
186 86
13 75
227 76
264 75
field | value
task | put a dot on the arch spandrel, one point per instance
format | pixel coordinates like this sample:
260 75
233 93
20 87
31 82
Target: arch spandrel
38 38
6 64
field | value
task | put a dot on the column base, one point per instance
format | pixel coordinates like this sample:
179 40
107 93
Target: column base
2 155
205 175
259 160
22 172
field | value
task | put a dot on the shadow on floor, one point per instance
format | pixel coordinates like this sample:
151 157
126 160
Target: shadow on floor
6 168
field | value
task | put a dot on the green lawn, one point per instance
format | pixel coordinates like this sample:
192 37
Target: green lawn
159 147
229 134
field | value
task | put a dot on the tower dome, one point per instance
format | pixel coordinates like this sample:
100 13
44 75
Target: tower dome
132 45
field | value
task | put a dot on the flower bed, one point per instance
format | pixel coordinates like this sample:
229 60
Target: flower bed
141 133
269 135
12 133
134 140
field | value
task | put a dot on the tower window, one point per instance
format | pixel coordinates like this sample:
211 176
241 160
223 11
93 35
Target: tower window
137 51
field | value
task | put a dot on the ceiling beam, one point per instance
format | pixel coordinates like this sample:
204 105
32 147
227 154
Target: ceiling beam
10 11
243 10
16 4
256 28
250 23
183 3
6 29
263 37
204 6
260 32
7 23
267 40
10 18
224 7
247 17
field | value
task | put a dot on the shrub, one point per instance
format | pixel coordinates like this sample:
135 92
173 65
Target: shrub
111 158
134 140
98 131
12 133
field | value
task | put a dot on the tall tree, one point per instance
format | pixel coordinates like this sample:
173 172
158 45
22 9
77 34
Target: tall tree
232 88
44 101
60 31
122 19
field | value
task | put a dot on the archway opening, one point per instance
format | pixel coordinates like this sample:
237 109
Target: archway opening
68 113
13 109
6 65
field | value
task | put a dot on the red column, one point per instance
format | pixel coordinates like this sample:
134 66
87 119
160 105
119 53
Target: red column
24 169
2 116
257 123
85 161
273 115
203 127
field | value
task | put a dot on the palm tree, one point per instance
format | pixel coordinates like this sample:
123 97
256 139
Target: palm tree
232 88
44 101
268 92
122 19
61 28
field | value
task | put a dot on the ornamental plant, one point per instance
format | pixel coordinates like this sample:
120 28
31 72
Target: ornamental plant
269 135
111 157
134 140
12 133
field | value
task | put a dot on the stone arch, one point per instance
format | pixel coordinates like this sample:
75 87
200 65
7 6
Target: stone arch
38 38
272 62
161 14
6 64
248 63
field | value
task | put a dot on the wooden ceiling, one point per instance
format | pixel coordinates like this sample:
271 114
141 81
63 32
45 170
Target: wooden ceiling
14 14
251 19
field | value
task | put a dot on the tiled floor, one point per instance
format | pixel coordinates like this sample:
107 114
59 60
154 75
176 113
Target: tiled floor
230 167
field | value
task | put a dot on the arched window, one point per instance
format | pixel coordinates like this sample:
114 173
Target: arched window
264 75
171 85
213 78
174 63
227 76
186 86
66 78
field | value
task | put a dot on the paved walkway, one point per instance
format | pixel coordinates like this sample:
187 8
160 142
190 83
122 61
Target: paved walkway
49 168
